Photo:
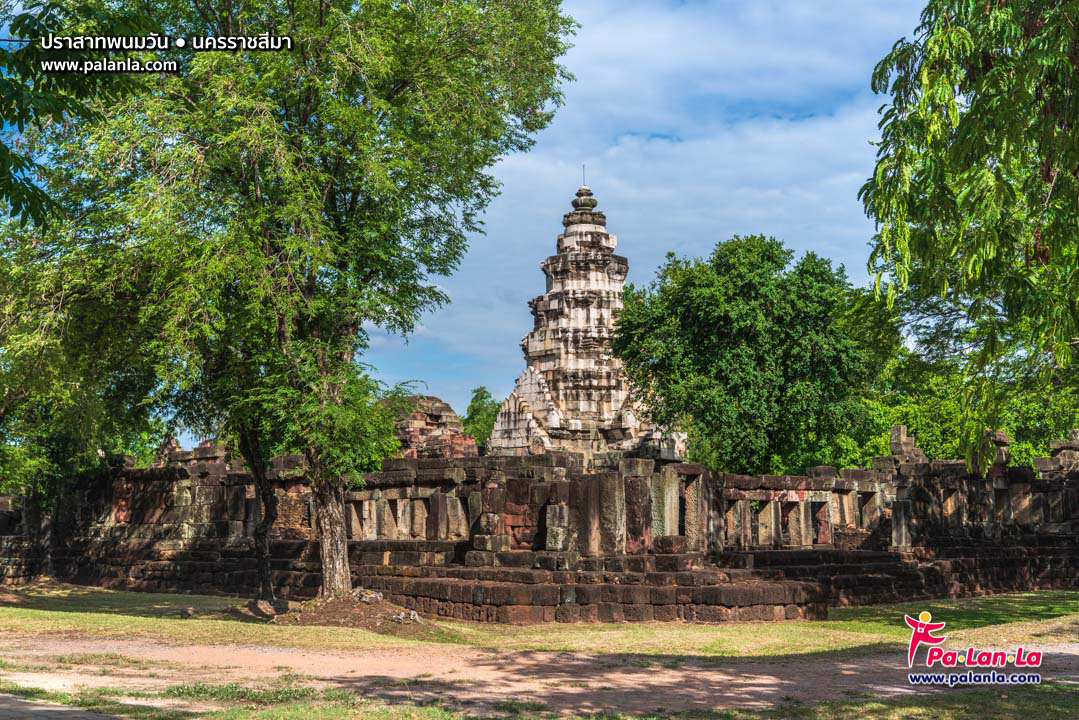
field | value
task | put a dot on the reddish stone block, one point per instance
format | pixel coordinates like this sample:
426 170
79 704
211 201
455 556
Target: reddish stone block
494 499
559 492
638 492
518 490
670 544
610 593
636 594
665 595
568 613
610 612
588 594
589 613
545 594
520 614
539 494
665 613
638 613
712 613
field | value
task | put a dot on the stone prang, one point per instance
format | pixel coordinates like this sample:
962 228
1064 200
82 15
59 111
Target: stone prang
573 394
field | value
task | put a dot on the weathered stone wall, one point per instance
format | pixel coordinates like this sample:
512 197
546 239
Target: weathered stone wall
939 504
21 559
537 538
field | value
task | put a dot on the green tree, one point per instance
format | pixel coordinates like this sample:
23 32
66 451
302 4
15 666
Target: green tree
31 96
479 419
72 391
927 397
974 191
297 197
746 353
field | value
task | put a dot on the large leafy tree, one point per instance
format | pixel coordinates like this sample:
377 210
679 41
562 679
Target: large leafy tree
271 205
747 352
62 411
927 397
976 192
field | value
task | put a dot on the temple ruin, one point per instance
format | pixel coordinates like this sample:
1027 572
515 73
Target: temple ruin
583 511
573 394
539 538
432 429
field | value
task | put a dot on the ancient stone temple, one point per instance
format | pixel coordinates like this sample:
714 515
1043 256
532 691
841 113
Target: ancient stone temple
433 430
573 394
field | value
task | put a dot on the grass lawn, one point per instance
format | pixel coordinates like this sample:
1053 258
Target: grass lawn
1032 618
1048 702
1035 617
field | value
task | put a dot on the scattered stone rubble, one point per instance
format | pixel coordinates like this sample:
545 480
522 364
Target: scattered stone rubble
406 617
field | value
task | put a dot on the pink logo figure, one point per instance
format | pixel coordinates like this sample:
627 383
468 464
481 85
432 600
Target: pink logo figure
922 633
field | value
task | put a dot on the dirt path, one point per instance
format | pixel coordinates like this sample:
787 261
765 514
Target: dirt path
474 680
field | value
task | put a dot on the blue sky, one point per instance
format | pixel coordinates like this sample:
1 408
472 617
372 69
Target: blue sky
697 121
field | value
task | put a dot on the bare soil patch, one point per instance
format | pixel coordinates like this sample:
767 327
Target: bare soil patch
479 681
374 615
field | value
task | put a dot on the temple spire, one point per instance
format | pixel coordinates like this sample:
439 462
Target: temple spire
573 394
584 199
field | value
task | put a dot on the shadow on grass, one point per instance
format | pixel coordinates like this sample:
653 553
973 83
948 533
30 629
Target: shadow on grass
1048 702
65 597
643 684
880 623
1068 630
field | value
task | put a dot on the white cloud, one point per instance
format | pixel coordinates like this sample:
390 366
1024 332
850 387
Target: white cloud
697 121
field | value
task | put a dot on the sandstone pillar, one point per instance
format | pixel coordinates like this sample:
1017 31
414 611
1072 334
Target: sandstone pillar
612 519
664 504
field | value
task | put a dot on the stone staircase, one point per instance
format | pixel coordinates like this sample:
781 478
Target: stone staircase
533 587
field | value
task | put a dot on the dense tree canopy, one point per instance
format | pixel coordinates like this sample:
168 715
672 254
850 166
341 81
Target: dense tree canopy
927 397
775 368
976 192
269 206
745 352
73 390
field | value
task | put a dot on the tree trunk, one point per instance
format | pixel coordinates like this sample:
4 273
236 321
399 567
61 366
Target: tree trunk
268 498
251 450
332 539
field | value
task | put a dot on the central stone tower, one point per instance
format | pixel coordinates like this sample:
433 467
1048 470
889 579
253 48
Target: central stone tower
573 394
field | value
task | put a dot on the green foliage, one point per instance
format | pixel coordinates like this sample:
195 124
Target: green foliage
745 352
479 419
72 387
929 401
975 189
268 207
31 96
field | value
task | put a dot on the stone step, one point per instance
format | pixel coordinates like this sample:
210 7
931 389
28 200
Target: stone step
518 602
790 557
586 577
